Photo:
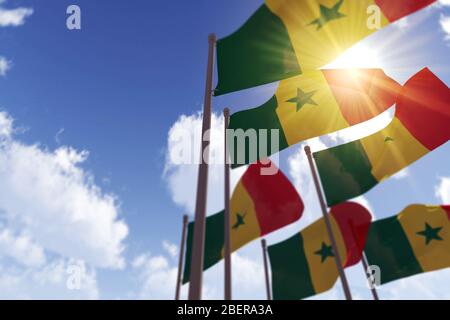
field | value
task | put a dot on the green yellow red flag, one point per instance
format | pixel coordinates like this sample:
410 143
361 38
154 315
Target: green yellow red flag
420 125
417 240
284 38
304 265
260 204
310 105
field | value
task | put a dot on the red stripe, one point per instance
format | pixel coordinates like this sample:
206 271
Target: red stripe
423 108
447 209
363 93
354 221
397 9
276 201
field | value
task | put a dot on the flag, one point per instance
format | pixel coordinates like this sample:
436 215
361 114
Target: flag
304 265
284 38
310 105
259 205
420 125
415 241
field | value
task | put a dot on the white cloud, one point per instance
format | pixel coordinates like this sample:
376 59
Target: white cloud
185 135
444 2
21 248
6 126
54 204
14 17
248 279
11 18
58 136
403 23
426 286
5 65
404 173
442 191
47 282
445 25
157 276
170 248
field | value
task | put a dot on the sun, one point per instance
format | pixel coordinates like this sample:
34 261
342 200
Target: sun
358 56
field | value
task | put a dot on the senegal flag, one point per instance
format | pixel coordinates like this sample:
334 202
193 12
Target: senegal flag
285 37
259 205
304 265
415 241
421 124
310 105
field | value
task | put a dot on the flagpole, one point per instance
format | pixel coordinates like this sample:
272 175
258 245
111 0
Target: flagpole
266 269
181 258
337 256
366 269
198 243
365 264
227 216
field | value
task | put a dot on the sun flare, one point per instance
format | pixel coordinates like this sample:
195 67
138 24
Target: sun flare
358 56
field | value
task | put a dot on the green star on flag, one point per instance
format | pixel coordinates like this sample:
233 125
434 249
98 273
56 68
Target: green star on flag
430 233
239 220
324 252
303 98
328 14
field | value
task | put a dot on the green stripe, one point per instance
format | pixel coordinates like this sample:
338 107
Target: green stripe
213 243
345 172
263 117
291 279
387 247
259 52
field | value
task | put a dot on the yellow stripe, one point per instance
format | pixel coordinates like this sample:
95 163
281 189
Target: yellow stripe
310 120
392 149
242 204
316 48
435 255
323 274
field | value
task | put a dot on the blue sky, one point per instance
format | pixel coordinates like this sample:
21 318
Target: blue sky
115 89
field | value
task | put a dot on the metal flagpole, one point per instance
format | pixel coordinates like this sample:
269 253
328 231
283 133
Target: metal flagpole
227 216
266 269
365 265
337 256
198 243
181 258
366 269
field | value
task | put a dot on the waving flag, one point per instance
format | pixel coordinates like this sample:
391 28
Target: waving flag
304 265
314 104
421 124
259 205
415 241
284 38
